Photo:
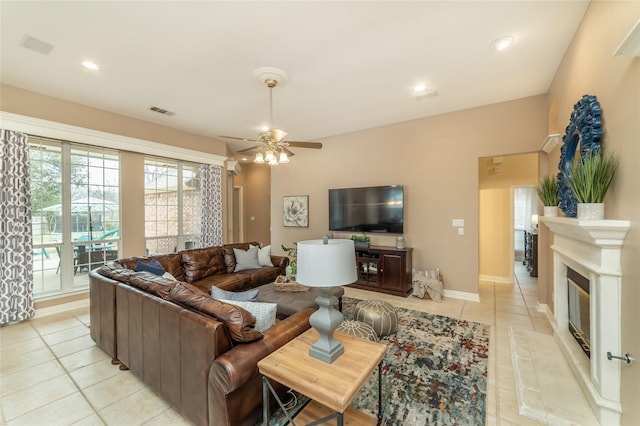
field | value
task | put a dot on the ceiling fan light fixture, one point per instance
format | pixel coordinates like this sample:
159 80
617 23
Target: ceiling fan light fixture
268 156
273 162
259 158
284 158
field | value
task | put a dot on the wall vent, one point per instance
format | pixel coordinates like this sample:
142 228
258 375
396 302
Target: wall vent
36 45
161 111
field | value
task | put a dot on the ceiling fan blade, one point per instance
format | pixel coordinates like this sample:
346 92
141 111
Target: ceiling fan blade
238 139
278 134
289 152
298 144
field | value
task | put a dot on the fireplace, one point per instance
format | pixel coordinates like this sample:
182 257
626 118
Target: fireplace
587 288
578 309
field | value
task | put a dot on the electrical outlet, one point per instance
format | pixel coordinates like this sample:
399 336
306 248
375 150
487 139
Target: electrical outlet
457 222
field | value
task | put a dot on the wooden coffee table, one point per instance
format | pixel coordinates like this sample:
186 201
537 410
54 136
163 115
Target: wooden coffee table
332 385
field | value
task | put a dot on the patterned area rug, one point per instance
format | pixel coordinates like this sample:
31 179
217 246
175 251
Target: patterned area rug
434 372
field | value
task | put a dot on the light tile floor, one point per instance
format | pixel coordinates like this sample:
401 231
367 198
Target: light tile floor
51 372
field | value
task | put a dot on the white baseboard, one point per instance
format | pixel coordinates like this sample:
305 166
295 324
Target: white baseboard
56 309
496 279
463 295
542 307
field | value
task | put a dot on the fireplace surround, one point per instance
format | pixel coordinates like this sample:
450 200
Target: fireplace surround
591 248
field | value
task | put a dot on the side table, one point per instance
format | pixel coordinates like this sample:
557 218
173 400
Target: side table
332 385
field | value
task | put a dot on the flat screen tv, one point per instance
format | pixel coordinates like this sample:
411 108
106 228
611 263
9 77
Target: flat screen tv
370 209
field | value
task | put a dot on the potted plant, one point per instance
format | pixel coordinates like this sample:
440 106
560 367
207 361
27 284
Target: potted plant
547 191
292 254
589 181
361 240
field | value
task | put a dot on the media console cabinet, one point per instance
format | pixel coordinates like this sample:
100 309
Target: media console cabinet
384 269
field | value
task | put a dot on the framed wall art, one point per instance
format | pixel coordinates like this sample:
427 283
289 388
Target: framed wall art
296 211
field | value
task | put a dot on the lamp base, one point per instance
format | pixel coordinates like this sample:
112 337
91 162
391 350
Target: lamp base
325 320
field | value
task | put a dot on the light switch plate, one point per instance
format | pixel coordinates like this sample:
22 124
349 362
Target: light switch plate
457 222
460 231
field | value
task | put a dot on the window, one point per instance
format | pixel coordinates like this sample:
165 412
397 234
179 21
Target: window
75 193
172 205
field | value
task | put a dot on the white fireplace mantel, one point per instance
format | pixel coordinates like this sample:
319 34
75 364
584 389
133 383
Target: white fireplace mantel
592 248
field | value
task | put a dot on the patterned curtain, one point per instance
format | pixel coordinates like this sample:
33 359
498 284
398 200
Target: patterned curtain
16 245
211 190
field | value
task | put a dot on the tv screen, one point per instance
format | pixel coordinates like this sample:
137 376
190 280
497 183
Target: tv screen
370 209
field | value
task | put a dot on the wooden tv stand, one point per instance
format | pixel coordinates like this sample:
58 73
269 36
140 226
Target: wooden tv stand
384 269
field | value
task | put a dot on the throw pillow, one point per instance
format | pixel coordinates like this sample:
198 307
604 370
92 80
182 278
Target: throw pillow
246 259
264 256
169 276
239 322
153 266
265 313
242 296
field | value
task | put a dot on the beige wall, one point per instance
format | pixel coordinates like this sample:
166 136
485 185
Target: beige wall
435 158
589 67
18 101
496 211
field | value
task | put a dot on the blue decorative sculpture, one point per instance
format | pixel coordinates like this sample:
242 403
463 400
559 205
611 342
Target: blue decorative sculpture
585 130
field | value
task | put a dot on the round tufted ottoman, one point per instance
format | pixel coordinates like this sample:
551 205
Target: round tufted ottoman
358 329
382 316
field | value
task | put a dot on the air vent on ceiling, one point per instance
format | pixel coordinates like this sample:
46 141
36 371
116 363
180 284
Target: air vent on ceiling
161 111
36 45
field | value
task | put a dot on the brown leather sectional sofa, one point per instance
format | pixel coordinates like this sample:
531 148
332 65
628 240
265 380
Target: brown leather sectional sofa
199 354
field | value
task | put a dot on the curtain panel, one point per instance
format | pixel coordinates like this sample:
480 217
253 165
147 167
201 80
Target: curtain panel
211 190
16 243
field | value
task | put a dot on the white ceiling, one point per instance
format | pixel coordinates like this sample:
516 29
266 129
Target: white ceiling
351 65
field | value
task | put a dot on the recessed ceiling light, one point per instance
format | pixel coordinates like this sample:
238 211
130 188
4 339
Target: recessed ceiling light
245 159
503 42
419 88
90 65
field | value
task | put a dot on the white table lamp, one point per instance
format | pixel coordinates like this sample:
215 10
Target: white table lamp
326 263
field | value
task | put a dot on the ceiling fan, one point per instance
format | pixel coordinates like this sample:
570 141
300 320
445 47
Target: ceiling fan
271 146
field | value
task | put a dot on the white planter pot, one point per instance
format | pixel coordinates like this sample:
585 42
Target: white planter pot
591 211
551 211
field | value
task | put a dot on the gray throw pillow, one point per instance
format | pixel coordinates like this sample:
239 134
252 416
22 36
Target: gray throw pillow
265 313
242 296
246 259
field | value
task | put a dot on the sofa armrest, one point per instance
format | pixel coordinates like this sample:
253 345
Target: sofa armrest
236 367
280 261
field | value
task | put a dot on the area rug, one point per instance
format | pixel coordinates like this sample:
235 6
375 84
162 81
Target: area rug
434 371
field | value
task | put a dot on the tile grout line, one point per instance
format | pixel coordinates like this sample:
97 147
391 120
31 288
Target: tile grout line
68 374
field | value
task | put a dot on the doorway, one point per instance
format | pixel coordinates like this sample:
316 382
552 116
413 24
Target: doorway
499 223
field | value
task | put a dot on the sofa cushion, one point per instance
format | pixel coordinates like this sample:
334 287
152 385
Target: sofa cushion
243 296
261 276
202 262
239 322
264 313
246 259
152 283
153 266
171 262
116 271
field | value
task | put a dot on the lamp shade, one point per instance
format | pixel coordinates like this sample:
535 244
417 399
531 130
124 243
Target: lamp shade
328 263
